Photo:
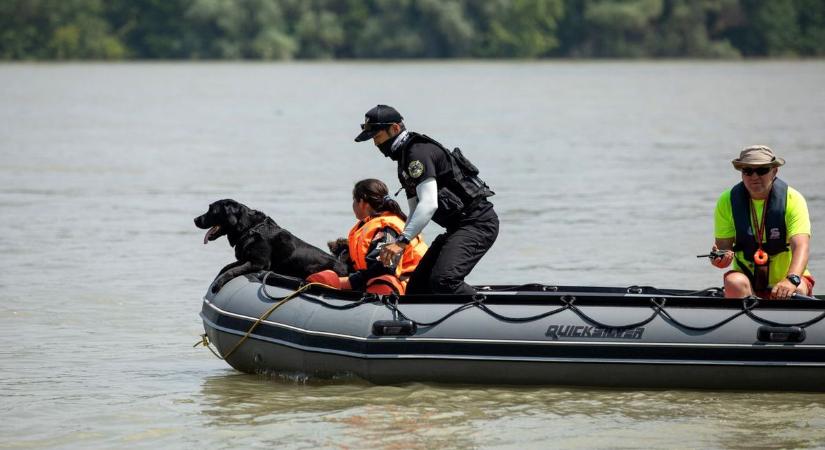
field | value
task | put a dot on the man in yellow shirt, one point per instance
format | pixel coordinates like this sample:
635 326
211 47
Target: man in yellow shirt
775 265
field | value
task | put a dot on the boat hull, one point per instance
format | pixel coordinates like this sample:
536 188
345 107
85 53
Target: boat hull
324 334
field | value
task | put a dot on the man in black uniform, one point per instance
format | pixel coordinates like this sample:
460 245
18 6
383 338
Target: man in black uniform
441 186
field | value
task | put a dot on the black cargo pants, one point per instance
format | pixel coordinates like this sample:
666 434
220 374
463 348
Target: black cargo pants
452 255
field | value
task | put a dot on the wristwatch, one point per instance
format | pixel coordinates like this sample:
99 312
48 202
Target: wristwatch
793 278
402 240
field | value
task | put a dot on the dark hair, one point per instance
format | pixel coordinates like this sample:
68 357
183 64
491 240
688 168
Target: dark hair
376 194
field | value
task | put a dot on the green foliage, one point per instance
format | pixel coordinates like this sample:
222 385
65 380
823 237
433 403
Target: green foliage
389 31
56 29
775 23
149 28
447 30
619 29
395 29
519 28
811 21
688 27
780 28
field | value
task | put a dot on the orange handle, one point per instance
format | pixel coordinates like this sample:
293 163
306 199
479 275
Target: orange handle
760 257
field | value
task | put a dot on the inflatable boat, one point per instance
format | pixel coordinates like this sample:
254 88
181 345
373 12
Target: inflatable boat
532 334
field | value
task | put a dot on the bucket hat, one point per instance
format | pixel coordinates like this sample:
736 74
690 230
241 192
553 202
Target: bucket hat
757 156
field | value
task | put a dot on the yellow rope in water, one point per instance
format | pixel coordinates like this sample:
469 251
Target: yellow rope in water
205 340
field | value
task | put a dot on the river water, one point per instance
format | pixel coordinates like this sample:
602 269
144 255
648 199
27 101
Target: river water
606 174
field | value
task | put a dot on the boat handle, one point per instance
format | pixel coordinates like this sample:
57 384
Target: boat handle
393 328
768 333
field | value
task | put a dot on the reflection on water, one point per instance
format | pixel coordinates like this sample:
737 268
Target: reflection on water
349 414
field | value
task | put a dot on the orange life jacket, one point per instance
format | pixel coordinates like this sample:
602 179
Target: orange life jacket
360 238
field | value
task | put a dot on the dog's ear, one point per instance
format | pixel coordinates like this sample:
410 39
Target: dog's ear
246 217
338 246
333 246
231 209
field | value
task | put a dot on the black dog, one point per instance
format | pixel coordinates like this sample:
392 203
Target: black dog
260 244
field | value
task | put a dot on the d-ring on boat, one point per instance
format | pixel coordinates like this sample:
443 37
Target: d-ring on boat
532 334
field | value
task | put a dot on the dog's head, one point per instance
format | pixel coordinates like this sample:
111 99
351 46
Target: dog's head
340 250
224 216
338 247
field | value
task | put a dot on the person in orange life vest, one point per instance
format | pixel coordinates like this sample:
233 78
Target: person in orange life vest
380 221
763 206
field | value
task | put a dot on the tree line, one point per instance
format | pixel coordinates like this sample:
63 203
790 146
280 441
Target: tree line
350 29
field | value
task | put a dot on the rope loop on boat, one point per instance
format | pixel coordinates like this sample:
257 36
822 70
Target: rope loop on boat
442 319
600 324
263 284
393 298
657 304
668 317
503 318
708 292
366 297
391 302
772 323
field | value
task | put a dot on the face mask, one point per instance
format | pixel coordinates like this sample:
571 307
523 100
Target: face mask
386 148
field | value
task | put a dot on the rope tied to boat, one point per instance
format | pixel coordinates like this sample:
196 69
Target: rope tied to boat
391 301
709 292
568 301
657 304
394 308
279 302
772 323
504 318
667 316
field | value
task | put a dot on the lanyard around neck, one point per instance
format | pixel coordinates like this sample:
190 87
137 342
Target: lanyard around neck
759 228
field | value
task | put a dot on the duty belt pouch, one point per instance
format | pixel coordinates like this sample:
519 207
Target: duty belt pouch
449 209
760 276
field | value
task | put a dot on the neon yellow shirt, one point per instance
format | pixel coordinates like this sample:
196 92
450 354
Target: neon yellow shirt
797 221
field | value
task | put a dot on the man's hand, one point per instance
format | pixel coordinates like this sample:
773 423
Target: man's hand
783 289
723 261
391 253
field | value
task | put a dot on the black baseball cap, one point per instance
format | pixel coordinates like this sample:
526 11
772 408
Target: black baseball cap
377 119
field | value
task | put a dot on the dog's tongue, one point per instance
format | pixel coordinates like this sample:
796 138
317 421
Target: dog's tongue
210 233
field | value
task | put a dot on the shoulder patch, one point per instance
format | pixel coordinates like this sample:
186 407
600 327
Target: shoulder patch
415 168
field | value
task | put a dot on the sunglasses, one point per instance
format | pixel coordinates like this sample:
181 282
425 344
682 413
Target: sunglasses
377 126
748 171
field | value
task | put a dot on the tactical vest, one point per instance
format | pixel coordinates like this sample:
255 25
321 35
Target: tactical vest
775 228
462 190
